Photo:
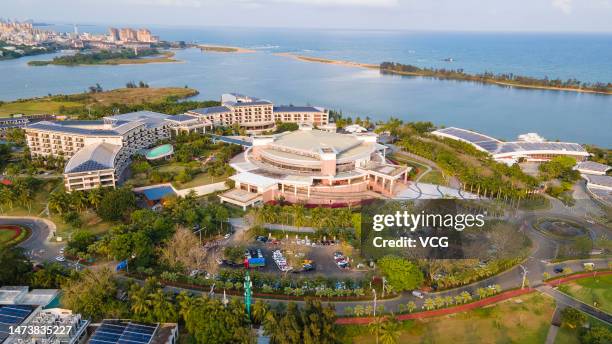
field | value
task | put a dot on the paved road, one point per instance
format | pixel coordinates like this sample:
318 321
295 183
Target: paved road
37 246
569 301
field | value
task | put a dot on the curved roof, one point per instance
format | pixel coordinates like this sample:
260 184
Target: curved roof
499 148
93 157
315 141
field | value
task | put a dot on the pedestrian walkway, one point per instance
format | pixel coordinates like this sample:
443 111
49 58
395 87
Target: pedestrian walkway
444 311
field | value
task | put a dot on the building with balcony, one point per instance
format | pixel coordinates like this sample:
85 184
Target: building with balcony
258 115
97 152
312 166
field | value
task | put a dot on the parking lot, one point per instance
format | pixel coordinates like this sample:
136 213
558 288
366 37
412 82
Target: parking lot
322 256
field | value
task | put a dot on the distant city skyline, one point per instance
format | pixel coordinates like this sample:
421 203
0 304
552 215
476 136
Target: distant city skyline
444 15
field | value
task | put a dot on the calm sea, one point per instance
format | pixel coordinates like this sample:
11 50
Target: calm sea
499 111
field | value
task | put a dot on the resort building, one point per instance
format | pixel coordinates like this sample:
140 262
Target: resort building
312 166
97 151
529 147
592 167
258 115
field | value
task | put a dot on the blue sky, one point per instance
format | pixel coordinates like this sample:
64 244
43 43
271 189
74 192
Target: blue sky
476 15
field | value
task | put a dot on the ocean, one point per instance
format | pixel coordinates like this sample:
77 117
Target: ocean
503 112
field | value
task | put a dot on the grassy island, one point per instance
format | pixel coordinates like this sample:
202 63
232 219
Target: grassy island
107 57
95 104
507 79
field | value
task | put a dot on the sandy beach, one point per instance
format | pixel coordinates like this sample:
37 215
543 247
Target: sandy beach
329 61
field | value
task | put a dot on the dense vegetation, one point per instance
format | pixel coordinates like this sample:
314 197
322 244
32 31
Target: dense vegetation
488 77
24 50
97 57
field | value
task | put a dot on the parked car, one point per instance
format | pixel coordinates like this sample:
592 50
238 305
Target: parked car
558 269
60 258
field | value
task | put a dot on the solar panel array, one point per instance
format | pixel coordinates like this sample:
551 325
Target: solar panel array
483 141
12 315
123 332
495 146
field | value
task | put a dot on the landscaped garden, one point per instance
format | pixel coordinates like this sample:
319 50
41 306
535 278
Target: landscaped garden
12 235
524 319
594 291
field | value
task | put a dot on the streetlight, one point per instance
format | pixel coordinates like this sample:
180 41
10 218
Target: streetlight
524 276
374 292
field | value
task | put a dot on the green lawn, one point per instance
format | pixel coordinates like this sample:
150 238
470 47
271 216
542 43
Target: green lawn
571 336
524 319
6 235
175 168
595 291
433 177
128 96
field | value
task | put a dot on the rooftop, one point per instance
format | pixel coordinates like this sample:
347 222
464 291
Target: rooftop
496 147
11 295
291 108
182 118
602 181
593 166
93 157
315 141
210 110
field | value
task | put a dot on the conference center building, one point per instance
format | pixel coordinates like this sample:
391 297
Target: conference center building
528 147
311 166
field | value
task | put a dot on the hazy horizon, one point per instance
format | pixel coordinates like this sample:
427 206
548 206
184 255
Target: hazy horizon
586 16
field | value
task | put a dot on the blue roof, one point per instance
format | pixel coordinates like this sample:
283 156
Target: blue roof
211 110
157 193
291 108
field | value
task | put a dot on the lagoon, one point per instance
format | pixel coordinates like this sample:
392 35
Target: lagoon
503 112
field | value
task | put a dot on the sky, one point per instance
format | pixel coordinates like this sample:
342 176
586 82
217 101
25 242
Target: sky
427 15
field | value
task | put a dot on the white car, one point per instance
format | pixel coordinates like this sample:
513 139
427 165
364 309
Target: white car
60 258
226 236
418 294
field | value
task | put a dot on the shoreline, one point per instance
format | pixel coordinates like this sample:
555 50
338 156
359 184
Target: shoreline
226 49
345 63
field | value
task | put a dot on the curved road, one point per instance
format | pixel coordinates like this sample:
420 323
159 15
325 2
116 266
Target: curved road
38 246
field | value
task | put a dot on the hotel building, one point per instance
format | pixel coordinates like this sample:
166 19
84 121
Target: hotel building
97 151
312 166
258 115
529 147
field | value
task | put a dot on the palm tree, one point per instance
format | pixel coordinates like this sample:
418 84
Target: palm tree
391 330
260 310
6 196
138 300
429 304
94 197
163 309
411 306
376 326
298 215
